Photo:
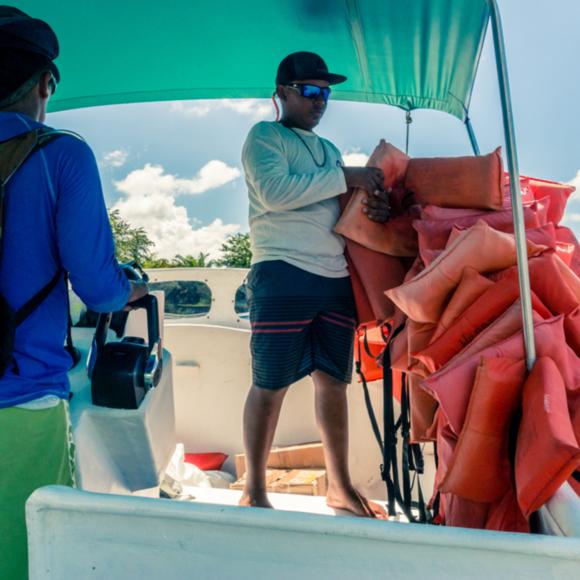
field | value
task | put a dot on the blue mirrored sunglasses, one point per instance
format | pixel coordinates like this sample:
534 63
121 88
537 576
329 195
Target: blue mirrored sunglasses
312 91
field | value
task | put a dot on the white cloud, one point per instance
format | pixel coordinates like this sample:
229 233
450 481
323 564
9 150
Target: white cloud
355 158
152 180
116 158
257 109
199 110
149 202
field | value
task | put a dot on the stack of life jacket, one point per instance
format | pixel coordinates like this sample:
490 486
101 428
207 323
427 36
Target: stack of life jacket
443 271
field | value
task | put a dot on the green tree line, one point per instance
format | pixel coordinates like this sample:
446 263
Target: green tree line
132 243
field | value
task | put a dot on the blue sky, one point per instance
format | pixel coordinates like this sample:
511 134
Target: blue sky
174 168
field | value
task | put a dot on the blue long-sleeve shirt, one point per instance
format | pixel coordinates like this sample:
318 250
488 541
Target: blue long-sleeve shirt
54 218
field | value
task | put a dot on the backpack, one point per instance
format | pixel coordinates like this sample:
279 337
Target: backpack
13 153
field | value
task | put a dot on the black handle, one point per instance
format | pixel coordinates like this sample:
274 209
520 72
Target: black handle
153 366
102 329
149 303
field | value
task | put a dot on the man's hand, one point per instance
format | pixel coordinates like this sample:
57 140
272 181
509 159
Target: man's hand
377 206
371 179
138 290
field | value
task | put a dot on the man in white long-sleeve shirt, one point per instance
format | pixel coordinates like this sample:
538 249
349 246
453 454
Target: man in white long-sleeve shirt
301 304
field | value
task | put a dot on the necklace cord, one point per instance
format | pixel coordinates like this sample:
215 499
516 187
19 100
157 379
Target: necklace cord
309 150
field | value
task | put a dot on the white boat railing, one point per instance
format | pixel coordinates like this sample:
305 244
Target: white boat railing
130 538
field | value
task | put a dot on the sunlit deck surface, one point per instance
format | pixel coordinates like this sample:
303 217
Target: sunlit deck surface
280 501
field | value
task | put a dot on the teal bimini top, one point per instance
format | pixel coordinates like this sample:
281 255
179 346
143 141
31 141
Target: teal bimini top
407 53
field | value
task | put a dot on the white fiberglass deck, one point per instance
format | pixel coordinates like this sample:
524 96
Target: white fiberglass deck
280 501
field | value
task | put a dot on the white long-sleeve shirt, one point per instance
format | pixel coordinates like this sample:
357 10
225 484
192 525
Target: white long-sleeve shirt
294 203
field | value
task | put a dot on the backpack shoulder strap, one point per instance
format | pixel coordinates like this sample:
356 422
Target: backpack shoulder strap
14 152
47 134
29 307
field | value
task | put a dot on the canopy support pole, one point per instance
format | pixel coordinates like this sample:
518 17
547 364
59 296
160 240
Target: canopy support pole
472 138
513 168
408 121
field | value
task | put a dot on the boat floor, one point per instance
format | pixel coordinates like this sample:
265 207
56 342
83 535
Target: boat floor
280 501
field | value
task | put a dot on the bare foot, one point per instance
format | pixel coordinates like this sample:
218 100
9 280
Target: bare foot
351 500
255 499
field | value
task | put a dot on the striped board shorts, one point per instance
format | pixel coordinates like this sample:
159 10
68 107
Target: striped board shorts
301 322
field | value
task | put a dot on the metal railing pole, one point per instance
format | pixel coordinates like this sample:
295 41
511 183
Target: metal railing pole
472 138
512 159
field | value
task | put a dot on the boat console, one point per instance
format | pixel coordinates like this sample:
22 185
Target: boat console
123 451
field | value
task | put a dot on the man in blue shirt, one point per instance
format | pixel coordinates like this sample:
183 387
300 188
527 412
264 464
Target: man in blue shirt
54 220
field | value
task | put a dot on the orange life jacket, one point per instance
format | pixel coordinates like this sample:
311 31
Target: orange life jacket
558 194
547 452
481 247
451 385
480 468
397 236
462 182
433 232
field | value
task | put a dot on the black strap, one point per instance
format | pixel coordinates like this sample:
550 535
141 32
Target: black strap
18 149
437 501
46 135
31 305
368 402
30 143
412 458
385 466
390 437
369 405
424 515
366 344
14 152
404 498
19 317
405 434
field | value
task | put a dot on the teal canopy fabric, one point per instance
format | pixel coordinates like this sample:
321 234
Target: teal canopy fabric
407 53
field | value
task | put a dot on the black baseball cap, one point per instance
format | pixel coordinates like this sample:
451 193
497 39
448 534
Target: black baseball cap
21 32
302 66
